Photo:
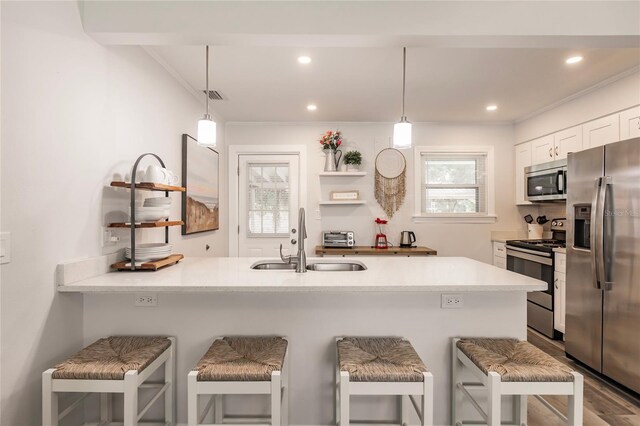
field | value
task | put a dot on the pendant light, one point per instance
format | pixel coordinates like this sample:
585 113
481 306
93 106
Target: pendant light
402 129
206 125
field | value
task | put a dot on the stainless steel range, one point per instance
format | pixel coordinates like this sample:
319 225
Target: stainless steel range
535 259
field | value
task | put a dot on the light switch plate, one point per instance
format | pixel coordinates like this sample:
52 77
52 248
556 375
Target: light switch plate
5 247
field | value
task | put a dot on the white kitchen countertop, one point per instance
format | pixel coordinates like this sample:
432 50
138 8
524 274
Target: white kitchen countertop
396 274
560 250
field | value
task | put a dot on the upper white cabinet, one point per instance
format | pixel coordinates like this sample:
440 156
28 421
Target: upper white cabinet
630 123
556 146
600 132
523 159
542 149
566 141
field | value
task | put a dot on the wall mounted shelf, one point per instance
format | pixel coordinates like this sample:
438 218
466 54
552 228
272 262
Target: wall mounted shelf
342 203
343 174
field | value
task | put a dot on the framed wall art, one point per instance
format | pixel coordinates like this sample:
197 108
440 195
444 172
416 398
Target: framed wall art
201 178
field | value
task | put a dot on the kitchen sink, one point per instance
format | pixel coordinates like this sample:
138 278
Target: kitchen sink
336 266
271 265
265 265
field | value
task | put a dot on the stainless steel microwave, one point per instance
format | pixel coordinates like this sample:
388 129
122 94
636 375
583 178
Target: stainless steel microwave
546 182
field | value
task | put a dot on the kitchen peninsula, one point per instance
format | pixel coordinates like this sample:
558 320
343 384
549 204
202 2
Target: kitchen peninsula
201 298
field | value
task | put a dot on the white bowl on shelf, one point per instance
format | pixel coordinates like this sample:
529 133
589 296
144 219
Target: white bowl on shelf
150 214
157 202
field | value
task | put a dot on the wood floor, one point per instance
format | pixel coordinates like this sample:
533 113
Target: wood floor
604 404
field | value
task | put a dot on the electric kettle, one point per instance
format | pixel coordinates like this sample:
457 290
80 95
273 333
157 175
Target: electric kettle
407 238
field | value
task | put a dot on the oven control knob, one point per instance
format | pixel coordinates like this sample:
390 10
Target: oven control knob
560 224
554 223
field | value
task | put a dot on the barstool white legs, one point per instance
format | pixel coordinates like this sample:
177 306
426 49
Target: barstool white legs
215 377
536 374
92 370
408 379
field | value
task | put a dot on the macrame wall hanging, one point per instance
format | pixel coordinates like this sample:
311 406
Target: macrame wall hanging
390 186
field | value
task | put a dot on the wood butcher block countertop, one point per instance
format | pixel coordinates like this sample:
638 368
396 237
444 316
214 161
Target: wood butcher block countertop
368 250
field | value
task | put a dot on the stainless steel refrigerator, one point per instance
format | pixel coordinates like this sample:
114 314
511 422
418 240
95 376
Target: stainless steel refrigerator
603 260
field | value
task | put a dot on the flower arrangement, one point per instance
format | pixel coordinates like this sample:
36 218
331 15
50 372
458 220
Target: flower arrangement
331 139
353 157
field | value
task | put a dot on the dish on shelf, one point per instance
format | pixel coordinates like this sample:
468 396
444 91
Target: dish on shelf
150 251
151 214
157 202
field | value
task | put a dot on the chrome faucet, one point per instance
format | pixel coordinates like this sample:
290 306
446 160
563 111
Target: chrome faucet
300 259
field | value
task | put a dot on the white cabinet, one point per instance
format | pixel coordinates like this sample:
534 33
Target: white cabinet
542 150
556 146
523 159
499 255
560 292
566 141
630 123
602 131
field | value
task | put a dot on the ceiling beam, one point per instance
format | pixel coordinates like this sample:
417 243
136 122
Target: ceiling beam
365 23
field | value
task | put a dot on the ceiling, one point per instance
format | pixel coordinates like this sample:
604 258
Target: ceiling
364 84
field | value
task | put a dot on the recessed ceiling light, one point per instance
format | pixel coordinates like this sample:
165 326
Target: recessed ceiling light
304 60
574 59
492 107
311 107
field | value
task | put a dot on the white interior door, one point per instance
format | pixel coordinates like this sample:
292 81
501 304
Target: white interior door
268 201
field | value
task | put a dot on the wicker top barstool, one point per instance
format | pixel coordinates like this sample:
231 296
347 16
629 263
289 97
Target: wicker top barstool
116 364
240 365
511 367
382 366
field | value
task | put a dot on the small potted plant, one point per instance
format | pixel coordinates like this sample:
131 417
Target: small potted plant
353 160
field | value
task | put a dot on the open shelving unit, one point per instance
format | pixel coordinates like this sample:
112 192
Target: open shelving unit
131 265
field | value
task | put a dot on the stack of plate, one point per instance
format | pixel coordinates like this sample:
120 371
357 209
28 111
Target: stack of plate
150 252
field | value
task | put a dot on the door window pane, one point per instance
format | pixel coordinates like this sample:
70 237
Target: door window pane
268 193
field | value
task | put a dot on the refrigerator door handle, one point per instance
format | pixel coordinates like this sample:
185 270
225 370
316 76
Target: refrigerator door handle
604 278
592 233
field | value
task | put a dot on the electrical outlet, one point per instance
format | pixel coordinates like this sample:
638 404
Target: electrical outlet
109 237
146 299
452 301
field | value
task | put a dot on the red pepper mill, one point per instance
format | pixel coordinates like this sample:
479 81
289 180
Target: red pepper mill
381 239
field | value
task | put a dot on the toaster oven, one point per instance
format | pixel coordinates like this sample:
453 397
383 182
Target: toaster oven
338 239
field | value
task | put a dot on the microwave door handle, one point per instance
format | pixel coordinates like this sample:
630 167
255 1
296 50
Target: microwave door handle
592 233
560 182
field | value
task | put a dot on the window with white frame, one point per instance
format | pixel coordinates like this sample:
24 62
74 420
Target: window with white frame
453 182
268 213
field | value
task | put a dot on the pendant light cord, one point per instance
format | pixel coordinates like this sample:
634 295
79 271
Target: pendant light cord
207 79
404 75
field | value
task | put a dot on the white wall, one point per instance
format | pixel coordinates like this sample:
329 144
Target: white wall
73 114
619 95
471 240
